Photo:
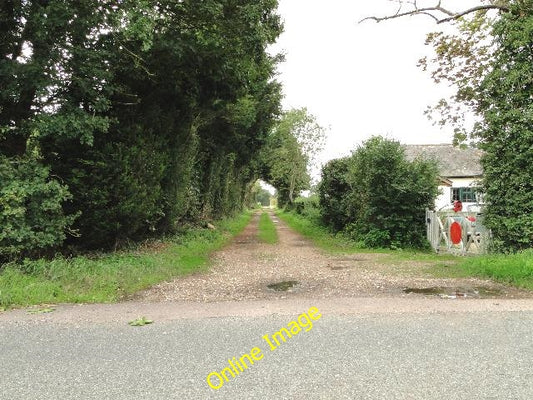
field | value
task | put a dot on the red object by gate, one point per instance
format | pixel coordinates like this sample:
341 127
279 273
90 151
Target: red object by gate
456 233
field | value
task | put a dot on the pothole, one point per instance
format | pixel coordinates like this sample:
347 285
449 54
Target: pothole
489 292
282 286
427 291
453 293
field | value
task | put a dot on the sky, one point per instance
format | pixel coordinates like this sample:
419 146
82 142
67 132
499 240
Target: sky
359 79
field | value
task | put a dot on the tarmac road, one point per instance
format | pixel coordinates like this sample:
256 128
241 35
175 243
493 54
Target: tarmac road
448 354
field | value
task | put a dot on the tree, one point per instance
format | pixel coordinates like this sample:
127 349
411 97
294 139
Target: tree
435 10
506 130
293 146
149 114
258 195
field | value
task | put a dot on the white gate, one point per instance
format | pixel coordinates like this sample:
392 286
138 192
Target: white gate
472 237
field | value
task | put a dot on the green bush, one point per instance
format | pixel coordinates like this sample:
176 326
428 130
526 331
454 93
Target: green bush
308 207
378 197
31 212
332 192
116 188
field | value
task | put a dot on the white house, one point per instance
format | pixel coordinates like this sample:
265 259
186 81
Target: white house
460 172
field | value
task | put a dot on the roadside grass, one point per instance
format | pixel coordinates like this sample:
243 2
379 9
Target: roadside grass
109 277
511 269
267 229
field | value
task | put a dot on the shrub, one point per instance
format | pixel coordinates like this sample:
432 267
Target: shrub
332 192
308 207
31 212
377 196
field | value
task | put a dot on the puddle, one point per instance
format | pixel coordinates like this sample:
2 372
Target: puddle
488 292
429 291
453 293
282 286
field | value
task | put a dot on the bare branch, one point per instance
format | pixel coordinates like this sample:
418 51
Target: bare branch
430 15
401 14
474 9
434 12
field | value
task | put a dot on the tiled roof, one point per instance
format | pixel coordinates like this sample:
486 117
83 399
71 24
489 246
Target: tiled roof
453 161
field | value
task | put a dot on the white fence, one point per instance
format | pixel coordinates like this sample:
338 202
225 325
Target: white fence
457 233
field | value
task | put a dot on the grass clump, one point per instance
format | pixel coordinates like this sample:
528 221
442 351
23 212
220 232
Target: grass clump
110 277
515 269
267 229
141 321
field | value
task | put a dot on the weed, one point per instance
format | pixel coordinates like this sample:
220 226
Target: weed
140 321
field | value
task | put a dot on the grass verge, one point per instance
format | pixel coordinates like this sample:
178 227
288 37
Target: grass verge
512 269
267 229
109 277
332 243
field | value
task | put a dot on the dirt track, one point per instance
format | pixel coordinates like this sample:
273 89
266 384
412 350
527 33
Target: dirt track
245 269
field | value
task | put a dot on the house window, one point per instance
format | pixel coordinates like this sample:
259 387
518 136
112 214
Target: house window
464 194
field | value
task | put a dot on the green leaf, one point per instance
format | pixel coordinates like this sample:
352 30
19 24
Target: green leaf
140 322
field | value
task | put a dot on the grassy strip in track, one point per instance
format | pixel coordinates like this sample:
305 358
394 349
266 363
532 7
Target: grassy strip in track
267 229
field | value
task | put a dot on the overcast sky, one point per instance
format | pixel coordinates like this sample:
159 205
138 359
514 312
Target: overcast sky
359 79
